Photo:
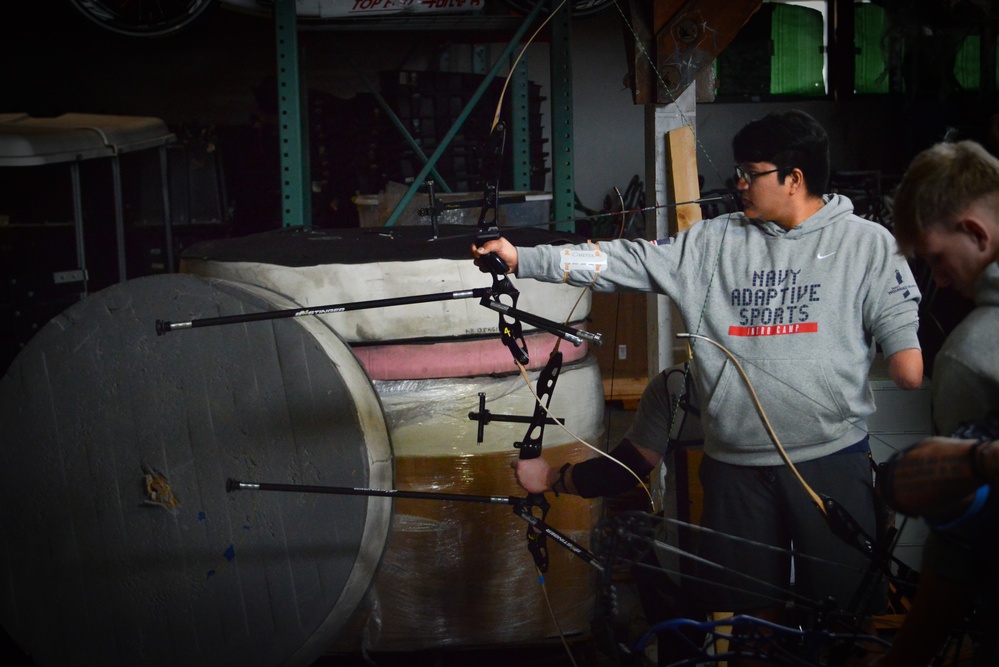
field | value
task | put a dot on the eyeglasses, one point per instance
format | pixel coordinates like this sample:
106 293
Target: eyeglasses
748 176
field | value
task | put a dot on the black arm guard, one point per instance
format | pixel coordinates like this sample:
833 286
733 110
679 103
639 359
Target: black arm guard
603 477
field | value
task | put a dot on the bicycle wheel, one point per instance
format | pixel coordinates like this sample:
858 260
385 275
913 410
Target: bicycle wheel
143 18
579 7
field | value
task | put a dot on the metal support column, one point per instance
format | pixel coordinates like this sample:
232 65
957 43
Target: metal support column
296 208
480 59
563 176
520 127
659 120
674 476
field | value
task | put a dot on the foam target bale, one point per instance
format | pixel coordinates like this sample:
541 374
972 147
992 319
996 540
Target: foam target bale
453 574
316 267
122 545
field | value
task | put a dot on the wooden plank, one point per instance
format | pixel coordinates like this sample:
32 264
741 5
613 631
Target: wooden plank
681 165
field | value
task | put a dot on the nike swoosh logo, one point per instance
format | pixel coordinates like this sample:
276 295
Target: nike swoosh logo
821 256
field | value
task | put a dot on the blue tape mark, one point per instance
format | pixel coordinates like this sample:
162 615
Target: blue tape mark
977 503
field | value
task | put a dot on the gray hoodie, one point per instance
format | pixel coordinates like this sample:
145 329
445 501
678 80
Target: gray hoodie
966 369
802 309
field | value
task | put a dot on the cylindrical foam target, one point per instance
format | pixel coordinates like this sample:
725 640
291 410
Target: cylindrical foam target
122 545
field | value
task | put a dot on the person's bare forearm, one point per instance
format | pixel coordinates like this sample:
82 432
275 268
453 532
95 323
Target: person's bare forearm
936 477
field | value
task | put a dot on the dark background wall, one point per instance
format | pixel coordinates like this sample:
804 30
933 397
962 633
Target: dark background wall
216 82
214 86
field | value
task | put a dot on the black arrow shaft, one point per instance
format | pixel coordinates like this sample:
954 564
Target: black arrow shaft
520 507
163 327
236 485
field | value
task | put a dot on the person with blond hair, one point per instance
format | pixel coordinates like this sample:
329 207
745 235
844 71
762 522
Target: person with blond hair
947 211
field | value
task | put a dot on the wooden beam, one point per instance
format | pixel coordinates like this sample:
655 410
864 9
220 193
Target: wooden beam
669 42
692 39
645 19
637 42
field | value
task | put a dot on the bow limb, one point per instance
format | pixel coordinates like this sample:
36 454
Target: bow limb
530 448
813 496
840 521
513 66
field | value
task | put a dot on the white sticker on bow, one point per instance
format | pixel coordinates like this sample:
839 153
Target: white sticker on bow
575 259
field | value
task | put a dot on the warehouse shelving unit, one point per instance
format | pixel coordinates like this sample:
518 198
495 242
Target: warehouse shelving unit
294 140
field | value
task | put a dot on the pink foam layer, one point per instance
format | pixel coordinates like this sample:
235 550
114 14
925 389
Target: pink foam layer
459 358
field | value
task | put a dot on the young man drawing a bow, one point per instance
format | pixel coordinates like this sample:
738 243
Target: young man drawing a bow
803 292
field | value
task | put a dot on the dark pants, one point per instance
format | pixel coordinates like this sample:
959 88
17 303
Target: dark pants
768 509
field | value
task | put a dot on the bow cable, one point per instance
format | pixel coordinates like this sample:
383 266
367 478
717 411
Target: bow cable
763 416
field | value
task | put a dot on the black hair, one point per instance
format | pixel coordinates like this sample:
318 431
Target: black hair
788 139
